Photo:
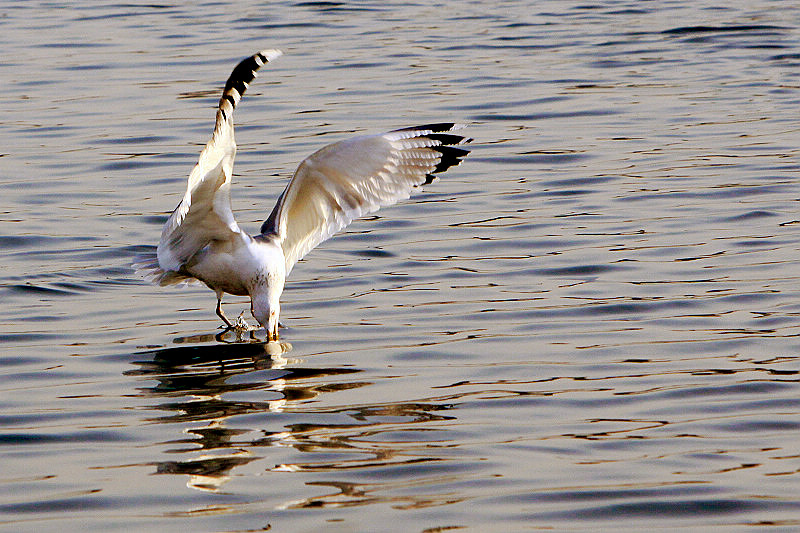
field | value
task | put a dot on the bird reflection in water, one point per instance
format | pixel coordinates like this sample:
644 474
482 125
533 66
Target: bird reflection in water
204 387
198 377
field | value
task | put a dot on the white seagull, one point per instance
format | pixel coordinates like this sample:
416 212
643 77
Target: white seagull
332 187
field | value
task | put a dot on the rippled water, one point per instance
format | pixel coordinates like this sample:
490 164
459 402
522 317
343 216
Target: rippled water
592 323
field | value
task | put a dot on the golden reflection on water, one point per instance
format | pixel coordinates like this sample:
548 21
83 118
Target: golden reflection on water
196 382
198 376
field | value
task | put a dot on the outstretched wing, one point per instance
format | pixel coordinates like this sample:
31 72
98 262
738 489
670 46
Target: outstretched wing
352 178
205 213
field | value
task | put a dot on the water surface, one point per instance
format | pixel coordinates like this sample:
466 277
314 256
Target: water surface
592 323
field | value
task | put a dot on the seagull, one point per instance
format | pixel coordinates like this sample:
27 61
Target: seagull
339 183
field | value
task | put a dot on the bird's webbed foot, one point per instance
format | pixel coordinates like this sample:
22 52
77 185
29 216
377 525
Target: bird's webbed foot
241 325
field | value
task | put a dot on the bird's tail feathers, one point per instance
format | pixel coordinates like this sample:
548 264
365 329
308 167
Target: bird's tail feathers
146 265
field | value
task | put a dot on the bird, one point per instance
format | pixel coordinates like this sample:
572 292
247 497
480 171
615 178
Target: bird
201 240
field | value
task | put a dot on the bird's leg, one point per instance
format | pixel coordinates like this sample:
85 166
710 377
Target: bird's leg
220 314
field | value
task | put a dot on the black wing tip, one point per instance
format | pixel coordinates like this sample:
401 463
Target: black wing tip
436 127
449 139
451 157
451 154
241 77
441 132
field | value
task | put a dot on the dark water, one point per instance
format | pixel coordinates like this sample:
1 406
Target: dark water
594 323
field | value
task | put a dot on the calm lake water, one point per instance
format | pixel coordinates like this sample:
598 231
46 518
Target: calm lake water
591 324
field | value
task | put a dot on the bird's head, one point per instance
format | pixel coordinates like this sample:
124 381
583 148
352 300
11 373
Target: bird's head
267 311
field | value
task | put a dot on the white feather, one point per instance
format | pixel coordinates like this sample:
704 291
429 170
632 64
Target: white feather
337 184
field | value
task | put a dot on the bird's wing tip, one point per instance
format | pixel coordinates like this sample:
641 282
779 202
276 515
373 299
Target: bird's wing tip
271 54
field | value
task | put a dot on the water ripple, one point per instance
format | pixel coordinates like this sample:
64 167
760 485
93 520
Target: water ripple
591 323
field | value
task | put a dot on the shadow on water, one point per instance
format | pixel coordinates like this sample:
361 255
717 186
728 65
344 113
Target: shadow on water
275 403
